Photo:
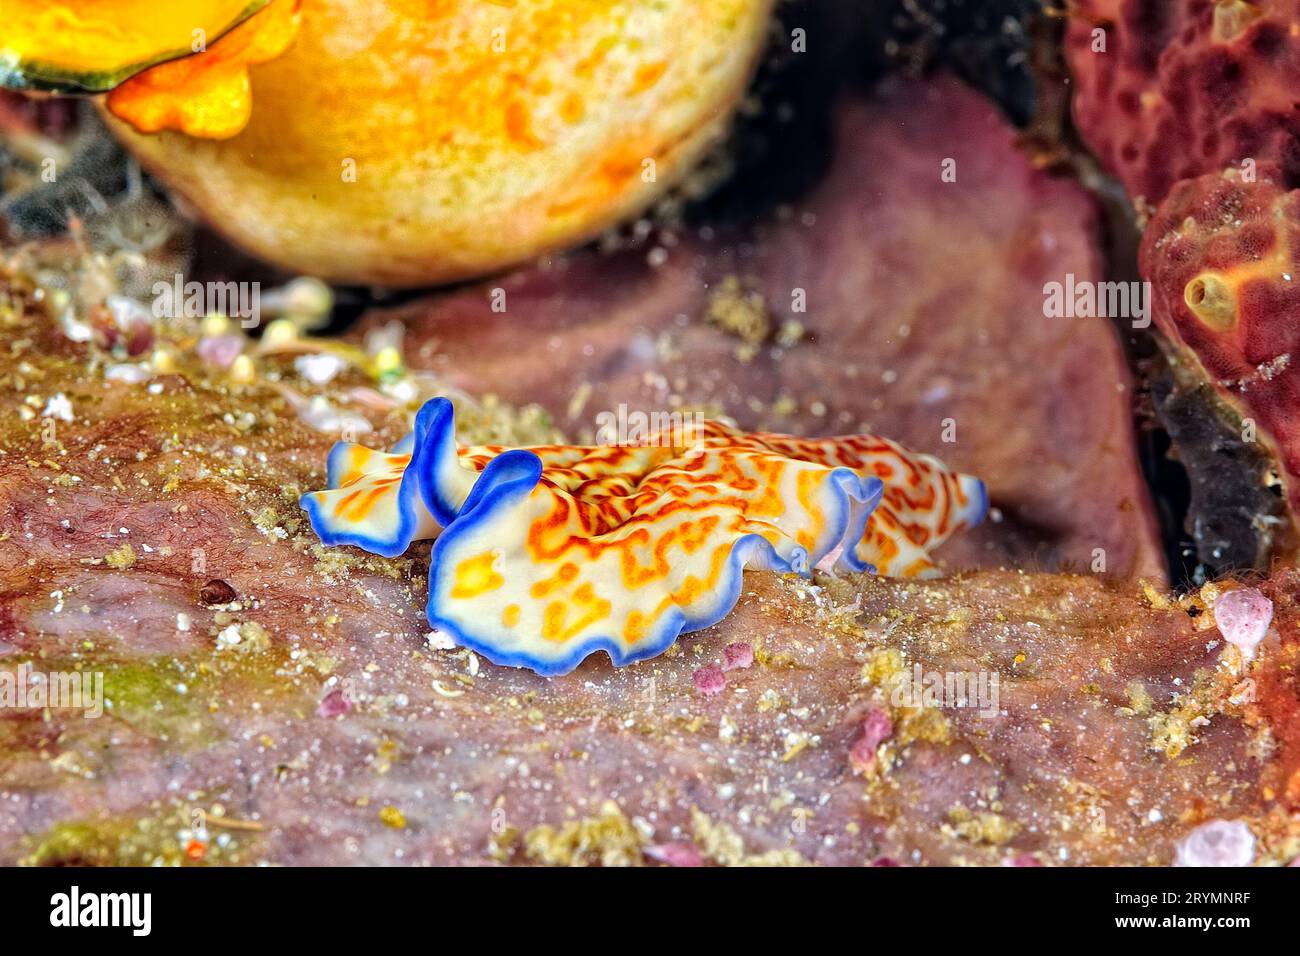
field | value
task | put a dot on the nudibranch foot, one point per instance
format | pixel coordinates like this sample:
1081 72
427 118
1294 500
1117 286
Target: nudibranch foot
751 552
546 555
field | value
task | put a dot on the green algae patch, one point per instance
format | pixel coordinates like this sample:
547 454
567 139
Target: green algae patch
176 835
150 685
107 843
181 701
162 698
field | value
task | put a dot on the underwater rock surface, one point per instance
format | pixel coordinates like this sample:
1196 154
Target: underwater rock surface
923 319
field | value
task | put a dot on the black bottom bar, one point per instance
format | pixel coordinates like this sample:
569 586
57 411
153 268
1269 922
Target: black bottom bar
305 906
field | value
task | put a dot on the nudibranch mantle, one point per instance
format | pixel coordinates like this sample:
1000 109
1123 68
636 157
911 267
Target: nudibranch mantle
545 555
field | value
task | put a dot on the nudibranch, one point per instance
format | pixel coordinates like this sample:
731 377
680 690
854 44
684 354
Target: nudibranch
545 555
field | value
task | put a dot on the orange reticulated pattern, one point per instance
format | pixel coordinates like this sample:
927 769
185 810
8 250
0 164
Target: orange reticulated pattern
371 475
207 95
551 553
1223 257
1166 90
923 502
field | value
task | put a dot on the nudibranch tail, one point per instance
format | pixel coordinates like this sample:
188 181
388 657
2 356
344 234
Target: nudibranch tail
918 516
924 504
547 555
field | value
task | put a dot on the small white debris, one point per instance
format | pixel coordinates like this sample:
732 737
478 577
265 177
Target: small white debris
230 637
58 407
182 621
726 729
439 641
403 390
126 372
471 663
321 415
320 368
126 311
75 329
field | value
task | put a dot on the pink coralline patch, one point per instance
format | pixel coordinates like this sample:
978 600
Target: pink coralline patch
334 704
737 656
1223 258
876 729
709 680
221 350
139 339
1023 860
1217 843
886 861
132 336
1166 90
675 854
1243 617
